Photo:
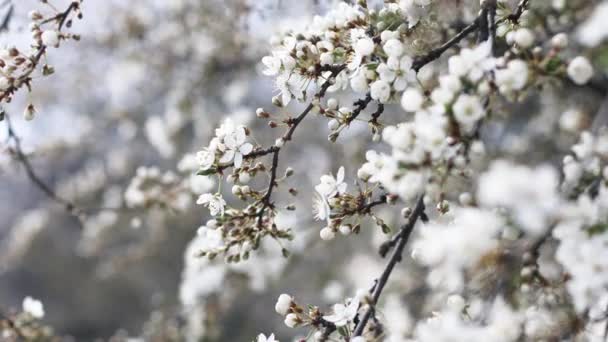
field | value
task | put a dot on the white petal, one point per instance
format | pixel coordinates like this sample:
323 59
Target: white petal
246 148
240 135
340 175
238 160
227 157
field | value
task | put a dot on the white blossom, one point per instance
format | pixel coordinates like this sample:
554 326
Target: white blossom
380 91
342 314
524 37
327 234
531 194
580 70
215 203
468 110
263 338
50 38
205 159
283 304
33 307
330 186
291 320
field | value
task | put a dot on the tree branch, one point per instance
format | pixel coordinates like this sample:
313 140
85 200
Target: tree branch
404 236
432 55
23 159
293 125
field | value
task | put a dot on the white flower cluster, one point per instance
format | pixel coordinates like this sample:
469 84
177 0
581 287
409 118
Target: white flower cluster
440 246
499 323
328 190
443 127
342 314
150 187
345 35
343 211
582 250
18 66
588 161
229 146
530 195
582 232
33 307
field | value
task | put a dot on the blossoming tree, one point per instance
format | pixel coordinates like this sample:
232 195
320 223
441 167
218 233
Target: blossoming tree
464 164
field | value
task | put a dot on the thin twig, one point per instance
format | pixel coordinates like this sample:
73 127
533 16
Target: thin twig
364 208
432 55
360 106
521 7
293 125
23 159
396 257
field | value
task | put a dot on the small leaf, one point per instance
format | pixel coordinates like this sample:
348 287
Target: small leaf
207 172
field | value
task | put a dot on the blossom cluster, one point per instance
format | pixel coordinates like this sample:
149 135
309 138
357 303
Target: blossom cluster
342 316
18 66
343 211
437 141
152 188
26 324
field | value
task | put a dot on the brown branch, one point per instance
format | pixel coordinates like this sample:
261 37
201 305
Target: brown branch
23 159
480 22
9 15
293 125
432 55
515 16
360 106
25 78
396 257
364 208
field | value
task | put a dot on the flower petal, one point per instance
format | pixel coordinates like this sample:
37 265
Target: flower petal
238 160
246 148
340 175
227 157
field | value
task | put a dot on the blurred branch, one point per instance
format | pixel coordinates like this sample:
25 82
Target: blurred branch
481 22
23 159
9 15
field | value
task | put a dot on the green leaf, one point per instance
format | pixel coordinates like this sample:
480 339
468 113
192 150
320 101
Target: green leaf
207 172
553 65
597 229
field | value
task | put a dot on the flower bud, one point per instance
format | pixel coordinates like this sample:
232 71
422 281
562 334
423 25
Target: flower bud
283 304
292 320
29 112
327 234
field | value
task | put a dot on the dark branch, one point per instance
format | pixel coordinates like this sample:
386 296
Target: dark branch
432 55
293 125
521 7
22 158
404 236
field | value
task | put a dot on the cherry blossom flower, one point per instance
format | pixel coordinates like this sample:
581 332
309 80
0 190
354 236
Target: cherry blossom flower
263 338
283 304
236 147
215 203
580 70
330 186
342 314
321 208
205 159
50 38
468 110
33 307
